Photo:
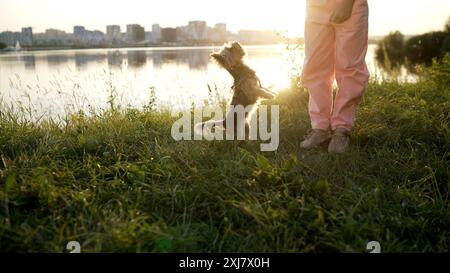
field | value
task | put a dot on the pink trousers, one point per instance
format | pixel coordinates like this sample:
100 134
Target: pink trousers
335 51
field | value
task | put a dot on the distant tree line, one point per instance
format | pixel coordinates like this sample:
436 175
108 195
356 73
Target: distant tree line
394 50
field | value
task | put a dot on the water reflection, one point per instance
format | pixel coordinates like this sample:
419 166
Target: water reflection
198 60
57 60
30 62
137 59
115 59
82 60
194 59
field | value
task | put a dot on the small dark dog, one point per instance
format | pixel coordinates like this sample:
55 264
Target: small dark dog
247 89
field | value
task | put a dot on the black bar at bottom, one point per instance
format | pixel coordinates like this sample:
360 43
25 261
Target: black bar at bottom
233 262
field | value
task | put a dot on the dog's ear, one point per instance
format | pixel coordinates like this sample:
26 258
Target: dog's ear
265 93
235 44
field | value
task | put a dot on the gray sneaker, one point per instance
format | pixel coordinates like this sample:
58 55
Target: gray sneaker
315 137
339 141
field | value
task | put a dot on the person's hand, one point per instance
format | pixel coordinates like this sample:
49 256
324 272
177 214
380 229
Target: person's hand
343 12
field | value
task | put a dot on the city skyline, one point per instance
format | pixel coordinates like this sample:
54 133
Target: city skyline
192 33
408 16
123 29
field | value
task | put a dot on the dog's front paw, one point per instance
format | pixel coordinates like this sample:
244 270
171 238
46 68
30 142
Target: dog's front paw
266 93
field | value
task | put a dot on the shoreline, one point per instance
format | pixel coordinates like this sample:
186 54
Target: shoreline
37 49
134 47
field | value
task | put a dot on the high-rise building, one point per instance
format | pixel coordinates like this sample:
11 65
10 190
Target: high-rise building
26 36
10 38
197 30
53 37
218 33
169 35
148 36
95 37
113 32
87 37
79 31
221 27
182 35
135 33
54 33
156 33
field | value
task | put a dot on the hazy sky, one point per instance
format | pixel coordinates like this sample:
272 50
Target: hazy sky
408 16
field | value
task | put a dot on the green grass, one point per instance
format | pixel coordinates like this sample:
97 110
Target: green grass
117 182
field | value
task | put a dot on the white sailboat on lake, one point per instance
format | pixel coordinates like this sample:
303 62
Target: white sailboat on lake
17 47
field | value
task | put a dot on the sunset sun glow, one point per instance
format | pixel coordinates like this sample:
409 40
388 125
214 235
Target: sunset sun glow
408 16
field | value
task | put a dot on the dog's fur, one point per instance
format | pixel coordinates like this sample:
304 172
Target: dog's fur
247 89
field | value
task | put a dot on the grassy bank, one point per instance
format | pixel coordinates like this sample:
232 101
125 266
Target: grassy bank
117 182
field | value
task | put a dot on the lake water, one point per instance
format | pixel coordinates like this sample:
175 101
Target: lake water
53 83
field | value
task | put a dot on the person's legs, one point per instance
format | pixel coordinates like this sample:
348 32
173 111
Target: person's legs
351 74
351 69
318 72
317 77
